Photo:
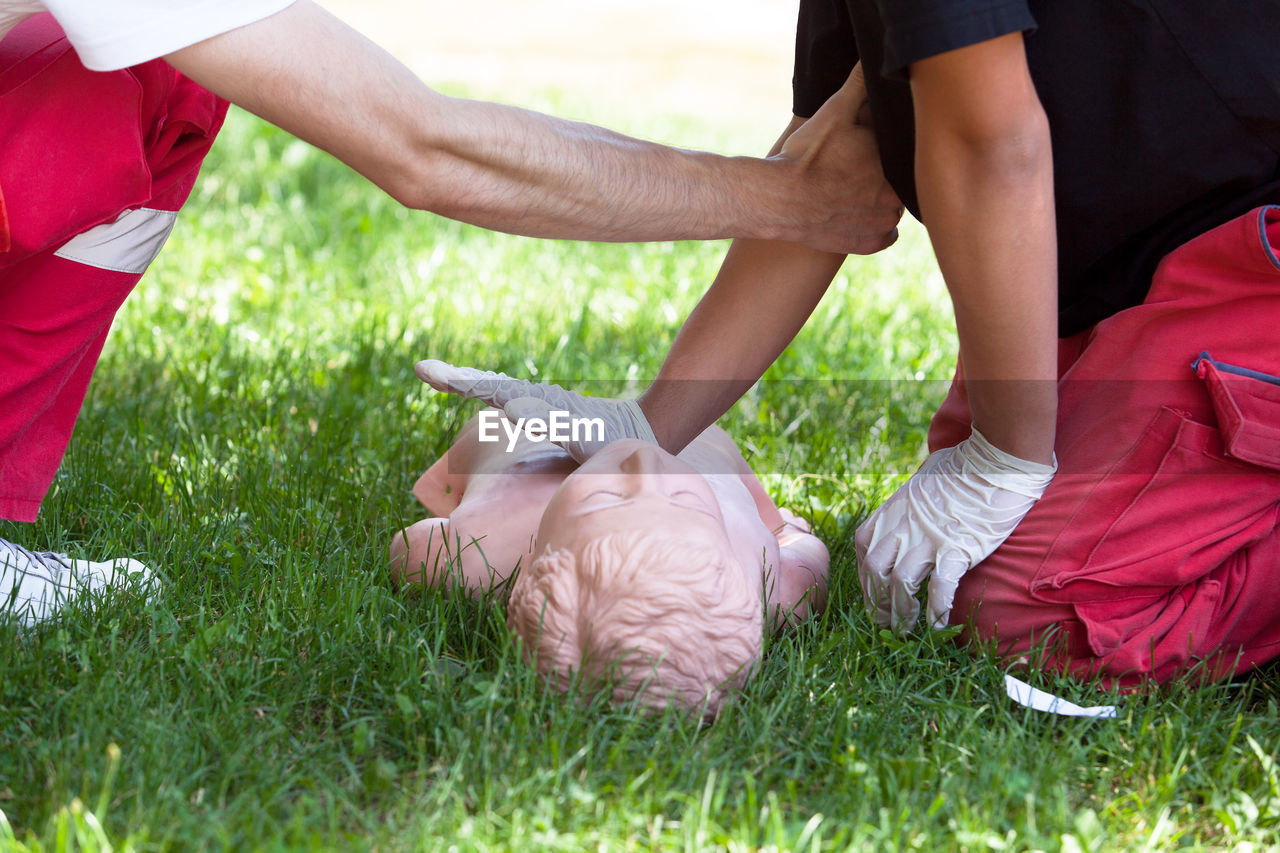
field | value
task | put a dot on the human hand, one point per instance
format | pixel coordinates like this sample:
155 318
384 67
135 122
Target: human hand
519 399
958 508
837 150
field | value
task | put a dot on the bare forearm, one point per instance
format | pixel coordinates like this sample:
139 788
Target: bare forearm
994 240
759 301
986 196
528 173
510 169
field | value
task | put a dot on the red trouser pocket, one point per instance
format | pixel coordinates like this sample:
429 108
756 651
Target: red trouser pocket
78 147
1140 556
1247 404
70 143
1170 511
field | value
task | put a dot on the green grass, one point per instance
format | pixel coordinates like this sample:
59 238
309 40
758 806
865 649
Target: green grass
253 431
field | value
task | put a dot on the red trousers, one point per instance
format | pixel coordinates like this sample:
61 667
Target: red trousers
1156 550
93 167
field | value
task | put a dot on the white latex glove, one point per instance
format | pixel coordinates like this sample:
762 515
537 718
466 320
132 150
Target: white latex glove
962 503
519 398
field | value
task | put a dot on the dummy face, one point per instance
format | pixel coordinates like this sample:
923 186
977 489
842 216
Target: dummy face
633 485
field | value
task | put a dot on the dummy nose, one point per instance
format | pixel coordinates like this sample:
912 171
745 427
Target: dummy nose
643 460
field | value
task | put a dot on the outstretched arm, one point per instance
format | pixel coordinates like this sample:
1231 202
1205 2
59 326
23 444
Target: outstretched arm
518 171
761 298
759 301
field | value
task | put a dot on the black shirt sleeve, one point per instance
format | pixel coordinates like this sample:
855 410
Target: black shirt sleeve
919 29
825 54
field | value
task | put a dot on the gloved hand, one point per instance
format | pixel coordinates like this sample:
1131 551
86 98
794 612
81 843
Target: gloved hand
519 398
958 508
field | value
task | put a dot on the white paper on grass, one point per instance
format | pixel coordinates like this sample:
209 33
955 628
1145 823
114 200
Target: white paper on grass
1039 700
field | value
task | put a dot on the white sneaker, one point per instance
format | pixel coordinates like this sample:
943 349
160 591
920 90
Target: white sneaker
34 586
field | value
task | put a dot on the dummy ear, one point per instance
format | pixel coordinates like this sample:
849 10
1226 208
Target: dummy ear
793 520
799 587
420 553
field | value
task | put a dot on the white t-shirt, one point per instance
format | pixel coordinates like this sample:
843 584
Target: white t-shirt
111 34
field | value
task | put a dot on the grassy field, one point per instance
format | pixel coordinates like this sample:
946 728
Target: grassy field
253 431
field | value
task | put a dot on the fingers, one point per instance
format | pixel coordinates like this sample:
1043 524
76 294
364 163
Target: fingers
875 596
496 389
904 583
963 503
857 88
523 401
526 408
435 373
892 564
876 547
464 381
891 599
581 449
942 588
890 584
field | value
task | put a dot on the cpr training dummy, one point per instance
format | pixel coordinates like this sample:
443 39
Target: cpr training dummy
649 572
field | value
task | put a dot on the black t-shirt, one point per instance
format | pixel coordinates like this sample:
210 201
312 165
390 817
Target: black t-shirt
1164 115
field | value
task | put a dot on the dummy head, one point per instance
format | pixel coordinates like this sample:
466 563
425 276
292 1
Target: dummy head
635 582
